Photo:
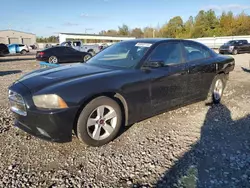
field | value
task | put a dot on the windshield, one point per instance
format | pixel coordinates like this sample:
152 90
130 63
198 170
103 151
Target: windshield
123 54
231 42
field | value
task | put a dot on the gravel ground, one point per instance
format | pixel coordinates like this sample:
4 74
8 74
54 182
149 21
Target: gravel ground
194 146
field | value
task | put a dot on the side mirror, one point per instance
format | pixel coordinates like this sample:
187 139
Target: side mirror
154 64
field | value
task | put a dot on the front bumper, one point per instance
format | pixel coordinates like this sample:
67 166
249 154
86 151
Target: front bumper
225 51
50 125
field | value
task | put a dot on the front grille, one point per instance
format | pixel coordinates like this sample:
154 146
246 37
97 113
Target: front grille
17 103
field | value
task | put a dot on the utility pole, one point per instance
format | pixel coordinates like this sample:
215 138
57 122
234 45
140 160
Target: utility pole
154 33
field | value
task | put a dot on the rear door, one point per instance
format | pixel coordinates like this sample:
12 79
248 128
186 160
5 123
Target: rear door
244 46
201 69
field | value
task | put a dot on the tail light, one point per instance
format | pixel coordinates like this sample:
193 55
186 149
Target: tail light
41 53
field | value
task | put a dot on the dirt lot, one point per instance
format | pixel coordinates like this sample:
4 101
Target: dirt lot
194 146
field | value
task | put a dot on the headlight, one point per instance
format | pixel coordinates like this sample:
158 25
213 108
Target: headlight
231 47
51 101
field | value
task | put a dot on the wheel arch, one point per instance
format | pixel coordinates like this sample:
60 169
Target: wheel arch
113 95
90 50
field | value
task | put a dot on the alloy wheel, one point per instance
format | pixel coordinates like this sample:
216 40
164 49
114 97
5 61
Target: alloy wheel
218 89
86 58
53 60
101 122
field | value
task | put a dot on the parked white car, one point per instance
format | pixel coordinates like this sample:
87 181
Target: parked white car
80 46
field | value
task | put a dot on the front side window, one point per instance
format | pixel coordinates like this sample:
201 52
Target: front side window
231 42
169 53
123 54
195 51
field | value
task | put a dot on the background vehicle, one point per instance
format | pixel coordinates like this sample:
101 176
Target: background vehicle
18 48
126 83
3 49
34 46
80 46
62 54
235 46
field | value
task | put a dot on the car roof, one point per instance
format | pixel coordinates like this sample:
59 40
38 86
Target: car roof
56 47
155 40
151 40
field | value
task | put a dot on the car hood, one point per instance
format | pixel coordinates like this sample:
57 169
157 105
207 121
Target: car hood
225 46
41 78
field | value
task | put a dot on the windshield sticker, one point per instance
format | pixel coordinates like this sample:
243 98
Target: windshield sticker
143 44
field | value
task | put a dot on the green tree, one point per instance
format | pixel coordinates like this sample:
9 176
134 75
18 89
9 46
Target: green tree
123 30
175 27
227 23
137 32
242 25
149 32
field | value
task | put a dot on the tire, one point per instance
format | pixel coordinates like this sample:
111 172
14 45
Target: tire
91 52
86 57
53 60
89 124
23 52
235 52
217 88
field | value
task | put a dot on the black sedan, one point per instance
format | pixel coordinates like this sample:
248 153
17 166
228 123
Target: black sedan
3 50
62 54
126 83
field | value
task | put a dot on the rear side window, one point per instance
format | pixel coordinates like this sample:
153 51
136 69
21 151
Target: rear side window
244 42
195 51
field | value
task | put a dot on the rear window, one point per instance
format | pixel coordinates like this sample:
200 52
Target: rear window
21 45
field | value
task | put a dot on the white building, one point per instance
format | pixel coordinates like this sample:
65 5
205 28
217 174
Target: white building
88 38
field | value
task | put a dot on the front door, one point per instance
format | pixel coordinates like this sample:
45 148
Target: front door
168 84
70 55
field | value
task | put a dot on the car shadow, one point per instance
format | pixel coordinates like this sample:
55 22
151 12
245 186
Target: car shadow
4 73
17 59
245 70
221 157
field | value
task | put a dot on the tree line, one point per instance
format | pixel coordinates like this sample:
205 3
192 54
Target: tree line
51 39
204 24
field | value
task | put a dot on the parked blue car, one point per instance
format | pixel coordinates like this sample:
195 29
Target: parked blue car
18 48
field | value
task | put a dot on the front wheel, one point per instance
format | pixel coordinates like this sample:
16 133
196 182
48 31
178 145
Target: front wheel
235 52
217 89
99 122
92 52
86 57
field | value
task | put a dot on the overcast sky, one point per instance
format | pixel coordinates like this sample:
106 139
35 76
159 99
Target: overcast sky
48 17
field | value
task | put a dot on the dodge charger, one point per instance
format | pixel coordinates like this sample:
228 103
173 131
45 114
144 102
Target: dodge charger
126 83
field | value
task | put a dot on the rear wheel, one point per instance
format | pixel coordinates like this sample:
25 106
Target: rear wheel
99 122
217 89
53 60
